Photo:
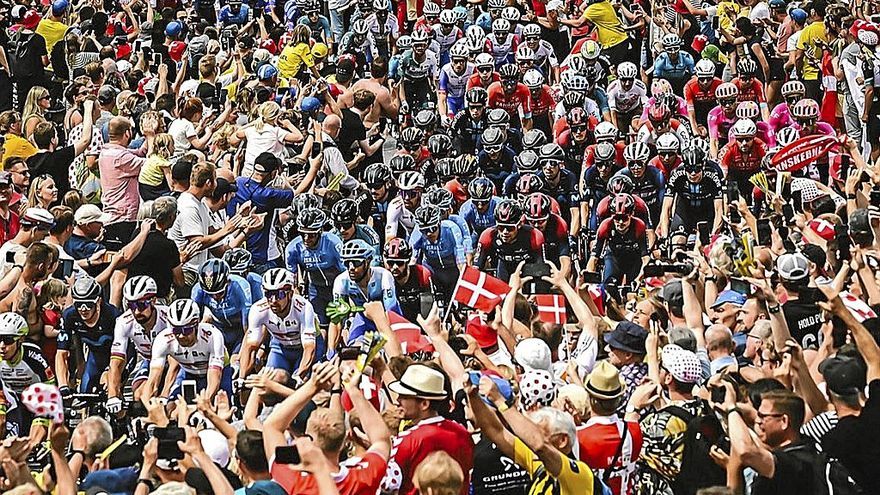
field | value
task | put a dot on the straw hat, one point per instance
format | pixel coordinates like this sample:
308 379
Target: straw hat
605 381
421 382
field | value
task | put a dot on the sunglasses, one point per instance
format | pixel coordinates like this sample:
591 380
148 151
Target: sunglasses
429 230
459 60
693 170
354 263
636 164
492 149
704 79
397 262
506 227
745 139
344 226
532 39
309 234
484 68
412 147
626 80
21 172
480 202
806 121
667 153
603 164
140 305
9 339
620 217
187 330
410 194
727 102
376 186
552 163
579 128
86 305
276 294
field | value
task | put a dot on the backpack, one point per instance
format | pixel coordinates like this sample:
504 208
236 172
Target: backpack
17 53
830 476
698 470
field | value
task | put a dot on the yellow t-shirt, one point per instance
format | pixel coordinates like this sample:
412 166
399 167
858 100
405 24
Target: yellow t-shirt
17 146
53 31
807 43
575 478
723 19
608 27
292 58
152 173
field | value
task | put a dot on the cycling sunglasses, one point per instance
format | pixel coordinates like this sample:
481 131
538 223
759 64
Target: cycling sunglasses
375 186
506 227
492 149
354 263
185 330
397 262
140 305
579 128
485 68
620 217
693 169
86 305
429 230
727 102
276 294
9 339
480 202
344 226
410 194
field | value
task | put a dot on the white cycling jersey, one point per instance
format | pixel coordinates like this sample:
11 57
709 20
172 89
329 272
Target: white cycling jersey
293 330
446 40
620 100
398 215
208 351
127 330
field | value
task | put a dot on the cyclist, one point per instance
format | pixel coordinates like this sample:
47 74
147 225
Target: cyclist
750 88
660 121
439 245
197 347
722 117
554 229
512 96
410 280
418 69
559 183
479 210
447 34
545 55
400 222
693 194
138 325
542 100
501 42
90 322
749 110
500 119
383 30
575 140
668 150
621 242
356 43
484 72
780 118
359 284
443 199
743 157
239 261
378 180
315 254
647 181
226 299
525 162
594 183
495 158
699 93
22 364
620 184
509 242
674 64
470 123
289 321
344 215
453 83
806 117
627 95
411 144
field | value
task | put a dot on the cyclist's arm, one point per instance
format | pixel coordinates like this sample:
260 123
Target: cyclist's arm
157 364
252 340
308 341
665 213
216 362
118 355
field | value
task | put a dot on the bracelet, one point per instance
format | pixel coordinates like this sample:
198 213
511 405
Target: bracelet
711 278
850 196
335 390
732 409
774 309
503 407
148 482
20 267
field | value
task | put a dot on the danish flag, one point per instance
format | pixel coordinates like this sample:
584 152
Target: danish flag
478 290
551 308
409 334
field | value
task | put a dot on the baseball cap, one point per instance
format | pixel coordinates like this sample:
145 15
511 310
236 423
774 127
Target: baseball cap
843 375
793 267
266 163
815 254
344 70
683 337
107 94
5 178
89 213
859 222
682 364
627 336
532 354
182 169
320 50
671 293
222 188
729 296
30 19
59 7
37 216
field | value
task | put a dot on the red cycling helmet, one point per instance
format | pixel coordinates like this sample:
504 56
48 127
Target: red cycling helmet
397 249
623 204
537 207
576 117
659 113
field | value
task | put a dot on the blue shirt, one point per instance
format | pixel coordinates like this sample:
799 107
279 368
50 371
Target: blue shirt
231 312
476 220
446 252
322 265
264 200
227 17
666 69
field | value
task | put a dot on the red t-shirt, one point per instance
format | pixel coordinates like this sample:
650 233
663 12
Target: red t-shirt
410 447
599 441
354 478
517 104
9 227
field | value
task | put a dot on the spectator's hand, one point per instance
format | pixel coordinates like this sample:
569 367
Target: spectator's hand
147 225
472 346
645 395
375 311
322 374
59 436
260 380
557 278
189 250
203 402
88 106
97 258
193 444
765 291
312 458
163 70
489 390
155 411
151 452
516 279
720 457
833 304
431 324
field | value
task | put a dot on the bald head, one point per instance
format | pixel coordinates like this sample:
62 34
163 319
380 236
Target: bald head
117 128
227 174
331 125
719 338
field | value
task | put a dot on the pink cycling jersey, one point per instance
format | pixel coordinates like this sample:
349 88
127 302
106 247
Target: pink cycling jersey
682 108
780 117
821 128
719 124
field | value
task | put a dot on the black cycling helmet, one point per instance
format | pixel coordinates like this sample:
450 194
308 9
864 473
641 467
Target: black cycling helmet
311 220
377 173
693 157
425 119
439 145
465 167
620 184
238 259
213 276
306 200
411 137
493 137
573 99
508 212
534 139
476 96
398 249
481 189
445 168
344 212
527 161
439 197
85 289
427 216
509 71
401 163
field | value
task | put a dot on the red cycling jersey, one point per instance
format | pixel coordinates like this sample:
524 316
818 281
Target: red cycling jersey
641 210
544 103
475 82
734 159
694 94
590 156
753 91
518 103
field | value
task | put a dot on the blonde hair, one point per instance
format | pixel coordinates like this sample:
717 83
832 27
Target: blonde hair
220 139
439 473
32 105
267 113
163 145
34 192
174 488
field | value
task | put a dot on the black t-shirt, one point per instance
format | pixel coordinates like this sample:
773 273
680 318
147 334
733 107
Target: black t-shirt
352 130
855 442
157 258
495 473
30 49
804 322
55 163
799 471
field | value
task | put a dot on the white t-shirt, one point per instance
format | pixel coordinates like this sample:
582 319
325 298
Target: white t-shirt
271 140
182 130
8 247
193 219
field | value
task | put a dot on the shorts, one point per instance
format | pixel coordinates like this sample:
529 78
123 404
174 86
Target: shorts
454 104
288 358
202 382
777 69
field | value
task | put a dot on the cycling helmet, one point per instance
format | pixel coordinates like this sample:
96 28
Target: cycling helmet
746 67
551 151
576 117
577 64
378 173
571 100
311 220
214 275
306 200
704 68
660 87
427 216
475 32
498 117
460 12
508 212
623 204
627 70
459 50
484 60
85 289
786 136
620 184
474 47
533 138
183 313
445 168
360 27
524 53
410 180
266 72
578 84
638 151
439 144
497 4
477 96
531 30
726 91
139 287
13 324
238 259
693 157
492 137
605 131
511 14
591 50
509 71
668 143
528 183
500 26
466 166
481 189
278 278
439 197
805 109
398 249
344 211
357 249
702 145
404 42
747 110
792 88
671 42
419 37
659 113
744 128
380 5
537 206
431 9
447 16
425 119
604 152
412 136
527 161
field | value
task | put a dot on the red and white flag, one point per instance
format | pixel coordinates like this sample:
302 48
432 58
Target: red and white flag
857 307
409 335
478 290
551 308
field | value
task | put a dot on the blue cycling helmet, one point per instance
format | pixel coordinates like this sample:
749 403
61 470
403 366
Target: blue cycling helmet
266 72
59 7
798 15
310 104
213 276
357 249
173 29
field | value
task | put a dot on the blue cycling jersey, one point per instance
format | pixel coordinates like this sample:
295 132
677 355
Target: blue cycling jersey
379 288
477 221
367 234
465 232
228 17
321 265
230 312
447 251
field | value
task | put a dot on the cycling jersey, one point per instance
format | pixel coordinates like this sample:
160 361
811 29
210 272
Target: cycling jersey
207 352
545 55
528 246
379 211
542 103
564 191
734 160
380 34
694 201
466 132
556 238
400 221
699 99
498 169
255 284
229 313
28 367
676 72
368 235
641 210
446 251
379 288
623 101
446 40
502 50
98 338
780 118
128 330
752 91
719 124
415 72
632 241
321 265
518 104
465 232
648 135
477 221
409 293
291 330
227 16
594 187
649 188
453 84
476 81
679 111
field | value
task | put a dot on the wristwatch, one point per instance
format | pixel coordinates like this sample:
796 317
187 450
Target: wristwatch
337 390
150 485
774 309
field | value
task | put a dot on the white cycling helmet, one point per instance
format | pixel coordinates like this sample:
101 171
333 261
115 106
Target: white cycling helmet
183 312
605 131
13 324
747 110
485 60
277 278
637 151
524 53
744 128
668 142
726 90
459 50
627 70
533 79
140 287
531 30
410 180
511 14
447 16
475 32
671 41
793 87
501 26
704 68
